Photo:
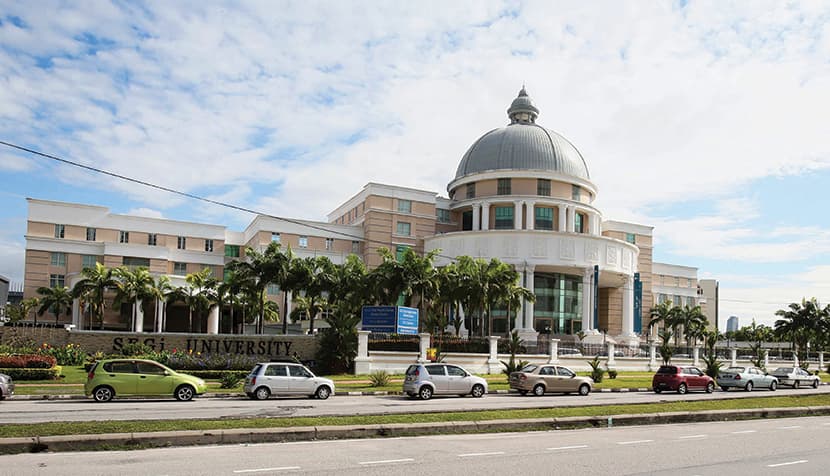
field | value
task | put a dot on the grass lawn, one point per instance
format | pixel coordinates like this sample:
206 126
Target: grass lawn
98 427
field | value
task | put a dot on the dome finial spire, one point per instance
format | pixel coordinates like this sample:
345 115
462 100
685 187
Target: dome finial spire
522 110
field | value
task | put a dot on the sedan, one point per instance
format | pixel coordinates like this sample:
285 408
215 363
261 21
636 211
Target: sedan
541 379
746 378
6 386
796 377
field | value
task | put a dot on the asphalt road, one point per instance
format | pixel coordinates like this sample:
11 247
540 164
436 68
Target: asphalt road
33 411
795 446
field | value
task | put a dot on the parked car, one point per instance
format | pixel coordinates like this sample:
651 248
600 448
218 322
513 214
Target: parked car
796 377
541 379
569 352
129 377
425 380
746 378
285 378
6 386
681 378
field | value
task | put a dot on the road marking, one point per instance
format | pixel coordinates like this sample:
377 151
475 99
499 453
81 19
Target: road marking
387 461
262 470
692 436
743 432
788 427
787 464
633 442
494 453
575 447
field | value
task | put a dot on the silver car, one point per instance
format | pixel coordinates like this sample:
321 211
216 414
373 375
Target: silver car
796 377
425 380
6 386
746 378
285 378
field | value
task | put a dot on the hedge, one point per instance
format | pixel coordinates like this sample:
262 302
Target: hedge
215 374
19 374
27 361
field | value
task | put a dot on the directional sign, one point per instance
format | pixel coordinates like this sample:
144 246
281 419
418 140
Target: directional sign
407 320
379 318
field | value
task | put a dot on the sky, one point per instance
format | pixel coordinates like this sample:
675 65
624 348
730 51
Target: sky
706 120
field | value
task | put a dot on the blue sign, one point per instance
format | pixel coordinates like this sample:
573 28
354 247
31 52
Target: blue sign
638 304
378 318
407 320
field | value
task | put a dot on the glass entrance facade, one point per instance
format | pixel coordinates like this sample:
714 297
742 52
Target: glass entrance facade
558 308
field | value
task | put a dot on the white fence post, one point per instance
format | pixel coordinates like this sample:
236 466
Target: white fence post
493 364
821 361
696 356
424 346
652 356
734 356
610 354
362 363
766 358
554 351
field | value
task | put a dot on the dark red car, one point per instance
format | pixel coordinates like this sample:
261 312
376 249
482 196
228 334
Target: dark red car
681 379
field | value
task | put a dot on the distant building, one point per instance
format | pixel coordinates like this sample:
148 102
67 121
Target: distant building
708 297
4 295
732 324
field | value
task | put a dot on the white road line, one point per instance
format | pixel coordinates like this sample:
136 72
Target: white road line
575 447
743 432
692 436
262 470
788 427
633 442
787 464
388 461
493 453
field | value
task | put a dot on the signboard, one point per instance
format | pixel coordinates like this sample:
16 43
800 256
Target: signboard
390 319
638 304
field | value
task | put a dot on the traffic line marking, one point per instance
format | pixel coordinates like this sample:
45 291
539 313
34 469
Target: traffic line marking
787 464
633 442
789 427
492 453
387 461
575 447
692 436
743 432
262 470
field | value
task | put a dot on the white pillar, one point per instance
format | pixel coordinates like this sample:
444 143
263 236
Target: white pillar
362 363
554 351
139 316
820 361
485 216
587 300
159 314
766 358
734 357
597 222
493 363
424 345
531 215
562 222
517 215
611 349
76 313
569 219
696 355
652 356
628 307
213 320
288 301
529 322
476 216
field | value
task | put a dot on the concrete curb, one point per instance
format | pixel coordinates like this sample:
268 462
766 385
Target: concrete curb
307 433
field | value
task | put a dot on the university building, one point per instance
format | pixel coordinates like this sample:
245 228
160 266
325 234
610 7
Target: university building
521 193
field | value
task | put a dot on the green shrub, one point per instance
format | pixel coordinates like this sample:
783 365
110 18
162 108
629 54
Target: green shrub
70 354
136 349
612 374
230 379
596 369
713 365
379 378
20 374
215 374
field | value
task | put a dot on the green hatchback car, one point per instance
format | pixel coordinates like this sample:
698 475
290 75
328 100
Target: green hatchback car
131 377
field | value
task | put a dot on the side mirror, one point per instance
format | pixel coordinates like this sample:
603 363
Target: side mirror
167 373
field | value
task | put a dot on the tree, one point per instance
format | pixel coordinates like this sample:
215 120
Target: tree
132 288
667 315
231 289
800 322
57 299
197 294
693 322
257 271
757 335
666 348
314 276
20 311
159 291
92 289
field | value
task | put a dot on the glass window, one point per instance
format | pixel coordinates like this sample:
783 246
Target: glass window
180 269
232 251
543 187
123 236
275 237
209 246
276 371
543 218
563 372
132 262
579 224
181 242
356 247
455 371
504 187
58 259
149 368
88 261
399 251
404 228
443 215
56 281
272 289
631 238
329 244
471 190
59 231
303 242
120 367
689 282
152 239
435 369
467 220
576 192
504 218
90 234
405 206
297 371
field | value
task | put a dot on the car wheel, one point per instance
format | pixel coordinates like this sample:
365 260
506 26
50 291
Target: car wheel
657 390
796 384
251 396
539 390
103 393
185 393
682 389
748 387
710 387
773 385
815 383
262 393
425 393
584 389
478 391
323 392
522 392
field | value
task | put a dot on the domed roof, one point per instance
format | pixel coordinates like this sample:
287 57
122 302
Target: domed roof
523 145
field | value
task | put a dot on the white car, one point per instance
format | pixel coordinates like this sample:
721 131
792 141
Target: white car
285 378
425 380
796 377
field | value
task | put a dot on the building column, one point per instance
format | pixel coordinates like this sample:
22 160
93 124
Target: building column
213 320
76 313
587 299
596 227
569 218
159 315
531 215
287 311
139 316
628 307
528 305
517 215
561 209
476 216
485 216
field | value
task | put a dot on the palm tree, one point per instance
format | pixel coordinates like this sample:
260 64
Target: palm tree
159 291
132 288
513 296
92 289
800 323
57 299
693 321
231 289
315 276
667 315
257 271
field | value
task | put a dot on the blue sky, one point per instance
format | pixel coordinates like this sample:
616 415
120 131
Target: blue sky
706 120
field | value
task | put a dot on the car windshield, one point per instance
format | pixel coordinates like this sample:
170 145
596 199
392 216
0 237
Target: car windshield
735 369
529 368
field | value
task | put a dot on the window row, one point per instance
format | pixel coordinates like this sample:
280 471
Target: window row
504 186
542 219
124 237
